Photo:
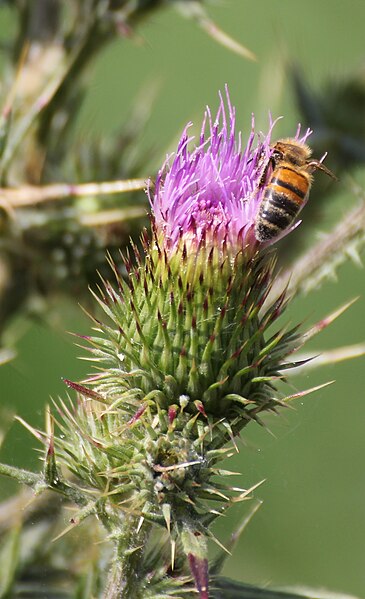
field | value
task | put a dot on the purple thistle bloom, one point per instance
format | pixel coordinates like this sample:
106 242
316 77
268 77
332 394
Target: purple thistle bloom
213 190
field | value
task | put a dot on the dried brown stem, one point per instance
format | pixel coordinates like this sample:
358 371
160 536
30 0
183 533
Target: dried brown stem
27 195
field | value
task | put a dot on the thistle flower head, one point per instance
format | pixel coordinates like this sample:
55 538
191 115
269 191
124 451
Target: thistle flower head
190 329
213 191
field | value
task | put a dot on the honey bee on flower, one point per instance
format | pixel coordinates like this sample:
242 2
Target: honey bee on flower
220 192
287 188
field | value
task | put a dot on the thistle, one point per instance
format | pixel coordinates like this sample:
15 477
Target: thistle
189 356
186 361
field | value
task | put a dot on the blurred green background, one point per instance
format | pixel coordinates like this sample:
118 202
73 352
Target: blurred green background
311 527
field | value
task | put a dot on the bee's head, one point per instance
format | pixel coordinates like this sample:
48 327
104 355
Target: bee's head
291 150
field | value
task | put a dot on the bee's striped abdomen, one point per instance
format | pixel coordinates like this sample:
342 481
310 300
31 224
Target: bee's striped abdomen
284 196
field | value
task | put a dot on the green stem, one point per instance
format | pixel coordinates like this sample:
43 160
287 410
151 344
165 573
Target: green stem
125 578
24 477
38 483
114 583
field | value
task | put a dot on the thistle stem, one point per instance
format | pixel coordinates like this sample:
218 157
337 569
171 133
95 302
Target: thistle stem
114 583
24 477
125 578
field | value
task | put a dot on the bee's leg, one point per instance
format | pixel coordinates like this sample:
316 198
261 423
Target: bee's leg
270 165
317 165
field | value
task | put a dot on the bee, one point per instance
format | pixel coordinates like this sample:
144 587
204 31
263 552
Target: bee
287 188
